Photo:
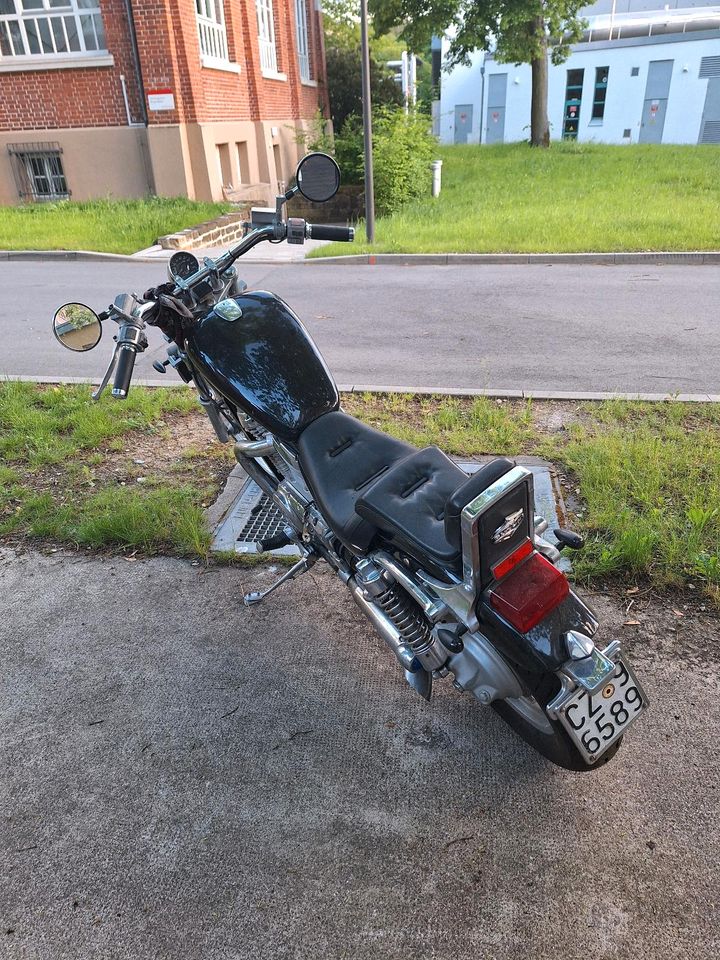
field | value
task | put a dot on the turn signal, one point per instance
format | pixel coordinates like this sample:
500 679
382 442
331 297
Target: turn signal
529 593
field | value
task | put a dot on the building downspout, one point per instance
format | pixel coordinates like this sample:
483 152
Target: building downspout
136 60
143 138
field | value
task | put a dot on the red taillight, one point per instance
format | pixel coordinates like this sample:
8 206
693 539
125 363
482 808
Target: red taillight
529 593
505 566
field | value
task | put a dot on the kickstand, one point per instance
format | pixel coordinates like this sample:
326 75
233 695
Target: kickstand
302 566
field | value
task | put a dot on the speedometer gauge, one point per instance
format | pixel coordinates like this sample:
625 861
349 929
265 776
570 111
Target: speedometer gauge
183 265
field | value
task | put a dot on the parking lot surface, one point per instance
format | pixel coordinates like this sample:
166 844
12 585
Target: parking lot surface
185 778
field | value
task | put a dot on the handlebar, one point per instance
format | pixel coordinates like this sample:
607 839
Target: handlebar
123 374
324 231
130 312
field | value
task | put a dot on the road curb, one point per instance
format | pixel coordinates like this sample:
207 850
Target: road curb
659 258
383 389
74 255
667 258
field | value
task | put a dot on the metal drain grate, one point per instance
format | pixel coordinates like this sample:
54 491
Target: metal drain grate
246 515
264 522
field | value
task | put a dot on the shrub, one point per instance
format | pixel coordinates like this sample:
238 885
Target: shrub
402 150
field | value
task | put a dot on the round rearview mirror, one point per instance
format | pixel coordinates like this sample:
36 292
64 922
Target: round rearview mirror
77 327
318 177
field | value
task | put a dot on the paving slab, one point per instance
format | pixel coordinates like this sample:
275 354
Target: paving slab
186 779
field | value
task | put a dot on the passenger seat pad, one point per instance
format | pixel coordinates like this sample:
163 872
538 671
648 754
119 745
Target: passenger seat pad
408 502
341 457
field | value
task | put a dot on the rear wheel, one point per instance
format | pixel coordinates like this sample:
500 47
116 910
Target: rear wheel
527 717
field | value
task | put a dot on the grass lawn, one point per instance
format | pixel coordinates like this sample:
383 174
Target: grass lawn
571 198
110 226
642 480
106 474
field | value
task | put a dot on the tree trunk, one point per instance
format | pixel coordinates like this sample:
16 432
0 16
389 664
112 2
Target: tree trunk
539 125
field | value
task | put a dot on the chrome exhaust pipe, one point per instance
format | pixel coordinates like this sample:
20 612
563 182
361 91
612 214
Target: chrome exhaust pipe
385 627
254 448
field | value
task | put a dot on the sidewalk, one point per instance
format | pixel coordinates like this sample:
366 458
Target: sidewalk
186 778
263 253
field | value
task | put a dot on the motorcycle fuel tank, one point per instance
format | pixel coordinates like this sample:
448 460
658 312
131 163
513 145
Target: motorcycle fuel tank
261 358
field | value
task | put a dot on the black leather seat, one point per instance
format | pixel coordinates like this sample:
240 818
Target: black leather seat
366 482
341 457
408 504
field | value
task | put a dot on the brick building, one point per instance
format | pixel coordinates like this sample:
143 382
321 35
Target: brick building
174 97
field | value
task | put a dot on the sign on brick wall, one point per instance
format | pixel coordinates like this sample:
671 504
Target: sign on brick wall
161 98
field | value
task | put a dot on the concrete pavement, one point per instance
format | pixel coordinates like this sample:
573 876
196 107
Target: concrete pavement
186 778
568 328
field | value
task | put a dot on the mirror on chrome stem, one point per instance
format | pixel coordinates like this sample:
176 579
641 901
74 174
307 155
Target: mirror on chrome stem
77 327
318 177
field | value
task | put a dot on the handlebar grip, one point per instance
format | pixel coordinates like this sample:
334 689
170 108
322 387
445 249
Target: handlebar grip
123 374
323 231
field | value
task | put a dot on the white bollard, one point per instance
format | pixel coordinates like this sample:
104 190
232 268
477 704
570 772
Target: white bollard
436 177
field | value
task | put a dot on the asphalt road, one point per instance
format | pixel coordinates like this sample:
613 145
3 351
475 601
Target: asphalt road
567 328
186 779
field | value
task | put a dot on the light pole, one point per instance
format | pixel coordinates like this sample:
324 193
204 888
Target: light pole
367 125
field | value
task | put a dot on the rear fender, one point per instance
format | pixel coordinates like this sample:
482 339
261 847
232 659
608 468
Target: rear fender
543 648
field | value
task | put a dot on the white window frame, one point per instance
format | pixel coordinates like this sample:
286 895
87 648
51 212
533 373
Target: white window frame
266 37
303 41
33 37
212 35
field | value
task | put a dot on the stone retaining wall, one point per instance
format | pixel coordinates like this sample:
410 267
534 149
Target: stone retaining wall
224 230
347 206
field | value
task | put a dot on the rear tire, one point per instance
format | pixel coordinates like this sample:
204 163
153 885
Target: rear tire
530 722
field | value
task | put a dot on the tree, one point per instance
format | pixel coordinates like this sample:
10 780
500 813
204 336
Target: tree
344 84
520 31
343 69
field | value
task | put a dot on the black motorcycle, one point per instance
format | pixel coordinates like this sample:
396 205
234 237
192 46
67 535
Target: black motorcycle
450 569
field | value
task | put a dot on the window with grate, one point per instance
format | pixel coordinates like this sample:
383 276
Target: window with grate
601 82
51 28
38 170
210 15
266 36
303 46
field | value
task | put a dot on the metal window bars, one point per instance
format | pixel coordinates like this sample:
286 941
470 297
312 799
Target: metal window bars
266 36
38 171
51 28
211 29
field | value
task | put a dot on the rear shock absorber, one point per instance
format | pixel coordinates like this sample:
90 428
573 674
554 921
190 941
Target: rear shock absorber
406 615
427 645
396 604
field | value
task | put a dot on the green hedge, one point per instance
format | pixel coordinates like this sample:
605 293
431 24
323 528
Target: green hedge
403 147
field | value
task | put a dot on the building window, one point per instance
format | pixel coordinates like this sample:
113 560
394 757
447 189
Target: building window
38 170
573 98
635 72
266 36
50 28
303 47
211 27
601 82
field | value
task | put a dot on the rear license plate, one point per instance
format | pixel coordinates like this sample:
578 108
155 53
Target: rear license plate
596 721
